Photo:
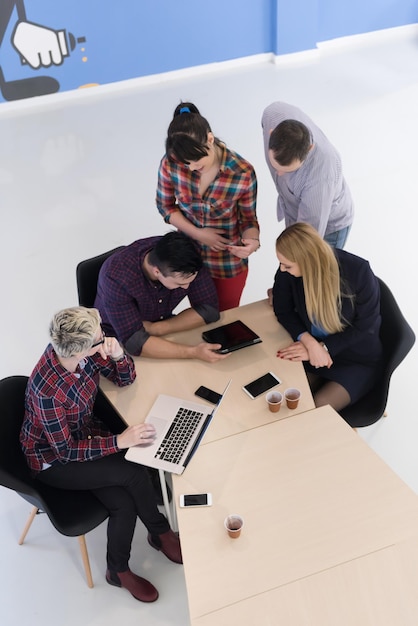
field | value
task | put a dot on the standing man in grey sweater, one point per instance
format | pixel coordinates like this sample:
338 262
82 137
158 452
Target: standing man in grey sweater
307 172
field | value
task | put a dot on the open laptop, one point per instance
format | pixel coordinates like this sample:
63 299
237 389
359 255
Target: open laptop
233 336
180 427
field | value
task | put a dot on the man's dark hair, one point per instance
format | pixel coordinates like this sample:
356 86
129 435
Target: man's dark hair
175 252
290 141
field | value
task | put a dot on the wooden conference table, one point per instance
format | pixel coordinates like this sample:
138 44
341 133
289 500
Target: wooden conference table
330 534
181 378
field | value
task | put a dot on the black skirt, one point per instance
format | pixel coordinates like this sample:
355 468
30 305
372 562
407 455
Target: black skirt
356 378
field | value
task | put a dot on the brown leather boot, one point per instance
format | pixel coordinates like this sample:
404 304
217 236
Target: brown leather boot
169 544
140 588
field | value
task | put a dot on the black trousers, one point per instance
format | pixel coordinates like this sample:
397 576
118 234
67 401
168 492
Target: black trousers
125 490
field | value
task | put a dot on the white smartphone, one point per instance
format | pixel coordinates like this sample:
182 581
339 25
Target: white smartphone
261 385
195 499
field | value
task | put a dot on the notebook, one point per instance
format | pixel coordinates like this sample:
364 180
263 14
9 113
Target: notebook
180 427
233 336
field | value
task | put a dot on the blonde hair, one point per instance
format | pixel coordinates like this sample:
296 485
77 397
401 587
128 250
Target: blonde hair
73 330
300 243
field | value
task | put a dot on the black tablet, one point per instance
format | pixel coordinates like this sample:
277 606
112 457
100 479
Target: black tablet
233 336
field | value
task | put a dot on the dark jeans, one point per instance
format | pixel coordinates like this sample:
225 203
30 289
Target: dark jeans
125 490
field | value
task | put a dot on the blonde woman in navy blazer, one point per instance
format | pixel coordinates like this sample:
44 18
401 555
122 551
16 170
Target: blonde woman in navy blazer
329 302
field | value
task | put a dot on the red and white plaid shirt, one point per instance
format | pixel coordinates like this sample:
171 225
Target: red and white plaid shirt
229 203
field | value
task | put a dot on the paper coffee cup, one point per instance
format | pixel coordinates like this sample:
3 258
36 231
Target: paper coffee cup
292 396
274 400
233 524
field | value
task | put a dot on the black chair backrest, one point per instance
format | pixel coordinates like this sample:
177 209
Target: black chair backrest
14 472
396 334
397 338
87 274
72 513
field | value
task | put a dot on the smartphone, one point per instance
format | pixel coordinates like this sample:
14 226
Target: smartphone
196 499
262 384
208 394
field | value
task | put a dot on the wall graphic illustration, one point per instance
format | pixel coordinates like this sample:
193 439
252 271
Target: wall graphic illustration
37 47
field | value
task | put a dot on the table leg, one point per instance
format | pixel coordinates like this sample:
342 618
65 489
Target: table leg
171 515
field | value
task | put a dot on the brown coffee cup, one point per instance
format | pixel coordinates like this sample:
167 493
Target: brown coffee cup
274 400
292 397
233 524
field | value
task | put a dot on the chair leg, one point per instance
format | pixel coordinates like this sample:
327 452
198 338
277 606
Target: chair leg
33 512
81 539
86 562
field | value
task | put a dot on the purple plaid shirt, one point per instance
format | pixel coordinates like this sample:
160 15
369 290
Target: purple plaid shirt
229 203
59 425
126 297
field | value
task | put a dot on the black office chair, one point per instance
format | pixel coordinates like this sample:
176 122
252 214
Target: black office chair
397 338
87 274
73 513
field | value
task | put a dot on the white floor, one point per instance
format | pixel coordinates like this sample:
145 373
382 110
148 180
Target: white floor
78 176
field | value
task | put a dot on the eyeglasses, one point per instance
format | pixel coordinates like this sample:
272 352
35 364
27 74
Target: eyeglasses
99 343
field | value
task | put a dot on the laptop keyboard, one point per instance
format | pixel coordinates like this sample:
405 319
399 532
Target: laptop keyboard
178 435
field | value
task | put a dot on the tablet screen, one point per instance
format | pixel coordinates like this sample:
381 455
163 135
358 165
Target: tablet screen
232 336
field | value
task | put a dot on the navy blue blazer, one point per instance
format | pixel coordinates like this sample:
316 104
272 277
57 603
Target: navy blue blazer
359 342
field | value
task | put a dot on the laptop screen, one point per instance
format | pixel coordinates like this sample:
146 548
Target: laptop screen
206 425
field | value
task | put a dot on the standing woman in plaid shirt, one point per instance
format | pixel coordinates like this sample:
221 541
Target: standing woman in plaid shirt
209 192
66 446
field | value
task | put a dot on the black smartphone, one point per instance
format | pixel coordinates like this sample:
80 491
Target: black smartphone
262 384
208 394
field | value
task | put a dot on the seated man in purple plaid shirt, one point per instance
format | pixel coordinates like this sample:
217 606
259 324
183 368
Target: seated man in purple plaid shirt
140 286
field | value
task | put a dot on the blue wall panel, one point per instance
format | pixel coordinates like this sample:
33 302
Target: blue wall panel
297 26
101 41
341 18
